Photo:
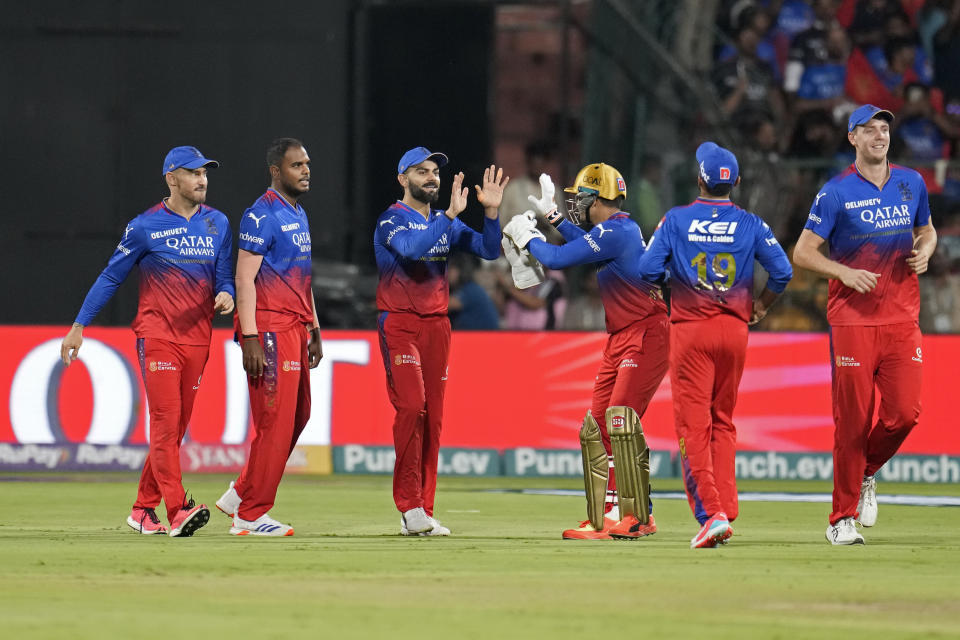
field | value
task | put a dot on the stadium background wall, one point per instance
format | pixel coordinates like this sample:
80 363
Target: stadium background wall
784 403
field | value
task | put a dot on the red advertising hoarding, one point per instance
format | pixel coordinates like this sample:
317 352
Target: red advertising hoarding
505 390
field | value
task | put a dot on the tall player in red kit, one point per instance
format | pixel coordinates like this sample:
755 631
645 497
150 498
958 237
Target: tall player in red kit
709 247
876 218
279 333
411 243
183 250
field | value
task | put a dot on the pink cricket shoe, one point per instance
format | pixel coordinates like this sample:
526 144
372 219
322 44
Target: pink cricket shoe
191 517
716 530
145 521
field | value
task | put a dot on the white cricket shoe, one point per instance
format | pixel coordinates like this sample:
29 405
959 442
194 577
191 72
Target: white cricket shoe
867 507
438 529
844 532
262 526
229 502
416 521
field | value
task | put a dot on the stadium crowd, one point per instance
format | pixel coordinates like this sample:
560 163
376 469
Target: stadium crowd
786 75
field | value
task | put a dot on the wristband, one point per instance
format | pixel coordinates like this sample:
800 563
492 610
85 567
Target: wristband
555 217
251 336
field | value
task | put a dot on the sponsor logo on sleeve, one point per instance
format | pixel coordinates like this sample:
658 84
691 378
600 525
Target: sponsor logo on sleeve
246 237
256 219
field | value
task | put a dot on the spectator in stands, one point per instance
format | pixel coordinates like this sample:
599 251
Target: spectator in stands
809 47
823 82
924 133
745 84
900 36
537 308
585 311
868 27
940 297
758 19
470 307
947 52
795 17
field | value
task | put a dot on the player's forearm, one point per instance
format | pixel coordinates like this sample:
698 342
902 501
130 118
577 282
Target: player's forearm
247 306
925 239
98 296
810 258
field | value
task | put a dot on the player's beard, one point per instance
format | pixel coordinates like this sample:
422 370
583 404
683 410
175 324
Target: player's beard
294 188
422 196
197 196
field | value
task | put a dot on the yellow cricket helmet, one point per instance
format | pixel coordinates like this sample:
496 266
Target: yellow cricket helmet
600 179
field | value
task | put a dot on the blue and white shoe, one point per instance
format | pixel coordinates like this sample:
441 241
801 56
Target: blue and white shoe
714 531
262 526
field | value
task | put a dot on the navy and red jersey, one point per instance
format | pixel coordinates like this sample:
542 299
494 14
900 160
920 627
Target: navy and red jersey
615 245
412 252
278 231
709 247
183 265
872 229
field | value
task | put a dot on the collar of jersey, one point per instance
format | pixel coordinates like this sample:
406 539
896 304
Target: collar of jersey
163 203
856 170
708 201
283 201
404 205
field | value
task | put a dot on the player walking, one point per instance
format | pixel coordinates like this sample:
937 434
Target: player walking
183 249
411 242
634 358
710 246
279 333
876 218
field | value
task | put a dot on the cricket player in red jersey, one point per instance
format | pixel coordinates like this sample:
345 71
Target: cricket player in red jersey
411 243
710 247
183 250
876 218
635 357
279 333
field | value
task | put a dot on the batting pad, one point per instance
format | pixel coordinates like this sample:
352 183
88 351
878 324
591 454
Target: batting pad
595 470
631 459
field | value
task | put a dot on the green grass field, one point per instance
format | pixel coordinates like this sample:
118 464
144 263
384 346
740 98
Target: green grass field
71 568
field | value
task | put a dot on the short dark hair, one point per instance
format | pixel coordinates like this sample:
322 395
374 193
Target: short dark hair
278 149
616 202
719 190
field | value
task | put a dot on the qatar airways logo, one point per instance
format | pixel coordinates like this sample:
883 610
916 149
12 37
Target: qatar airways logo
886 217
195 246
301 240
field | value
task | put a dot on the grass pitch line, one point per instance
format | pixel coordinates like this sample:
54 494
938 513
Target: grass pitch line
766 496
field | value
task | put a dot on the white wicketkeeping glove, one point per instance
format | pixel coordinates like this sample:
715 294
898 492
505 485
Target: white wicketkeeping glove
544 205
522 228
524 268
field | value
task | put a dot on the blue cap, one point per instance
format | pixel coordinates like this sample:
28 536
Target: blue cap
186 158
865 114
417 155
717 165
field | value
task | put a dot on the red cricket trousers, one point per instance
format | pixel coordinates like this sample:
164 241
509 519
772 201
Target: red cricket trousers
280 406
415 352
633 364
864 360
171 375
705 370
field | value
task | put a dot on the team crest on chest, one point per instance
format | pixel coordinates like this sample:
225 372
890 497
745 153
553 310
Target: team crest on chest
905 193
212 227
